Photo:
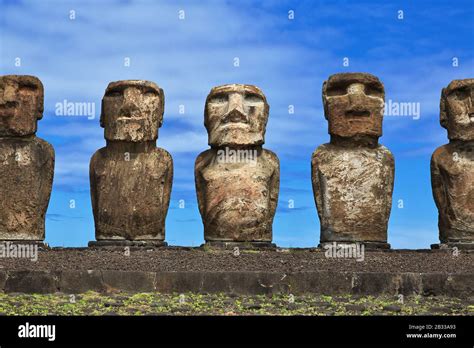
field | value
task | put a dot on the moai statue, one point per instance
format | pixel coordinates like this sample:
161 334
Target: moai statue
131 178
237 181
353 174
26 161
452 167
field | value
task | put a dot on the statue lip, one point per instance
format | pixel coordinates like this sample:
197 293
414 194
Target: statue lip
234 125
130 118
235 116
8 109
357 113
4 113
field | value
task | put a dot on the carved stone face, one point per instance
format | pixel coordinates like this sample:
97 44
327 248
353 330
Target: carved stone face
457 109
132 110
236 115
21 105
353 105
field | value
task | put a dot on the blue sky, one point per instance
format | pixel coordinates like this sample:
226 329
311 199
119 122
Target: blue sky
288 59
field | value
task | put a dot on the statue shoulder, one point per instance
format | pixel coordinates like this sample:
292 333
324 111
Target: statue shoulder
320 151
203 159
441 153
271 156
164 155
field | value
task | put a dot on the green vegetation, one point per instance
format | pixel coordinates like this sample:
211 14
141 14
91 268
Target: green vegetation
92 303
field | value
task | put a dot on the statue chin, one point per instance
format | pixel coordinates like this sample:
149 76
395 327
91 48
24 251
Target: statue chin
462 133
236 138
131 136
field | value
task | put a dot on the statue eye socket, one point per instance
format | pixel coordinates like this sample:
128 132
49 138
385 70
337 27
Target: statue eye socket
114 93
461 94
336 91
150 93
374 91
219 98
29 88
253 98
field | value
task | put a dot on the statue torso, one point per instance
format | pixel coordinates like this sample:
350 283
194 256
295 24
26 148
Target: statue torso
456 168
26 171
237 198
129 194
356 191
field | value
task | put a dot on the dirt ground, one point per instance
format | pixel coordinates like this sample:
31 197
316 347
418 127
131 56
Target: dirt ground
283 260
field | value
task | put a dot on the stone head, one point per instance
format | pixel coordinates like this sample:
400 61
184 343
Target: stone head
353 105
236 115
21 105
132 110
457 109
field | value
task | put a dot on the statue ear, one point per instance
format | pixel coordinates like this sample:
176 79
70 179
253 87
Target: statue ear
205 112
267 112
325 100
40 101
162 106
40 107
102 121
443 118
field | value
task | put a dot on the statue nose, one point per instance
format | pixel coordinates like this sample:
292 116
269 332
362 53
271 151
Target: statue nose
131 99
7 101
236 103
357 102
128 109
7 95
471 104
470 112
235 115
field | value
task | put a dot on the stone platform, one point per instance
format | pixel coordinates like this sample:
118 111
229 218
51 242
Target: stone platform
251 272
452 245
121 244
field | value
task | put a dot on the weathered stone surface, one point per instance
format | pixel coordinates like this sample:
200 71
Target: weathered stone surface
392 308
129 280
437 284
461 285
81 281
26 161
434 284
240 283
200 282
3 280
131 178
41 282
410 284
262 283
452 166
240 245
353 174
237 181
375 283
319 282
119 244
